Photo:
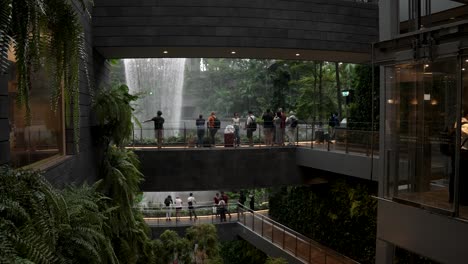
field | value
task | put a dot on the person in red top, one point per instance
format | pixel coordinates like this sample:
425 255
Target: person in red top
212 128
226 198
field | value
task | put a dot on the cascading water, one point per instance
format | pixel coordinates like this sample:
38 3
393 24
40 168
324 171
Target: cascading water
160 85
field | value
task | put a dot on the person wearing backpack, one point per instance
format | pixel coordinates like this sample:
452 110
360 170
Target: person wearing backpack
213 126
191 202
291 125
250 126
168 202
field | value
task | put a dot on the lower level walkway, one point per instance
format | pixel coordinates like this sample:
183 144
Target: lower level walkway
266 234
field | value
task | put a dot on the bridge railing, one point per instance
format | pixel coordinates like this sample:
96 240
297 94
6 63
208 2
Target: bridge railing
298 245
206 213
356 137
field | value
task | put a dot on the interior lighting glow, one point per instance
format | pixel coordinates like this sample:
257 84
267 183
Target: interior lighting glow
165 52
233 52
297 54
426 65
463 69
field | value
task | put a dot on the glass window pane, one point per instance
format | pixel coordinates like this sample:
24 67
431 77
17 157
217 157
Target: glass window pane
463 165
420 113
43 138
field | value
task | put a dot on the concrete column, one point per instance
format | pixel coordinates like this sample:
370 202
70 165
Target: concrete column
384 252
4 124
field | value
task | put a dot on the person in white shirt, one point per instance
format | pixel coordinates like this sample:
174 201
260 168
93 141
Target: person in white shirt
191 202
178 206
236 124
291 123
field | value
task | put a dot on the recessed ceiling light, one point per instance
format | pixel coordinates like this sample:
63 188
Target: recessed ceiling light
233 52
165 52
340 63
298 54
426 65
466 60
452 18
463 69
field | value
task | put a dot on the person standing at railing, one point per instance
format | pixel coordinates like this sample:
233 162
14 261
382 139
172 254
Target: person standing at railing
268 127
225 198
291 123
252 202
168 203
236 124
216 202
178 208
251 126
283 125
332 123
200 123
278 130
191 202
158 128
212 127
222 210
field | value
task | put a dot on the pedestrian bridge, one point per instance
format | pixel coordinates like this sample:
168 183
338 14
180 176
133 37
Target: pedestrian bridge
271 237
326 30
189 169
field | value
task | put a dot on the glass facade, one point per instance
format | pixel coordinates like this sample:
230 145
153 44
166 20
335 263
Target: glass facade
44 136
422 106
418 14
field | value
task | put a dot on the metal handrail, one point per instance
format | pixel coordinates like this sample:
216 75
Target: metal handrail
328 253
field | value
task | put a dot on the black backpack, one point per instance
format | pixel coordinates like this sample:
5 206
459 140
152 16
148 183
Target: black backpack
190 203
294 123
217 123
167 201
252 124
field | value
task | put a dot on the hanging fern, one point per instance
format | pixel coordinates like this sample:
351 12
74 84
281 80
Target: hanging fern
47 29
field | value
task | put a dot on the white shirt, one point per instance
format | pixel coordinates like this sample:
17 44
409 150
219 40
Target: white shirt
236 121
191 199
178 203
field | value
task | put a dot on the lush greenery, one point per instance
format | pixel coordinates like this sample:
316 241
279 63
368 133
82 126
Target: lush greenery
241 251
45 33
311 88
337 215
365 105
40 224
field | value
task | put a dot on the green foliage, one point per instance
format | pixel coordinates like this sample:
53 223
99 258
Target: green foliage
50 29
364 95
113 110
127 228
205 238
338 216
39 224
276 261
241 252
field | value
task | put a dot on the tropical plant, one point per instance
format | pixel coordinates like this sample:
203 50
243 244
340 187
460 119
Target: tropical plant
339 215
241 252
204 240
45 31
112 107
366 96
40 224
